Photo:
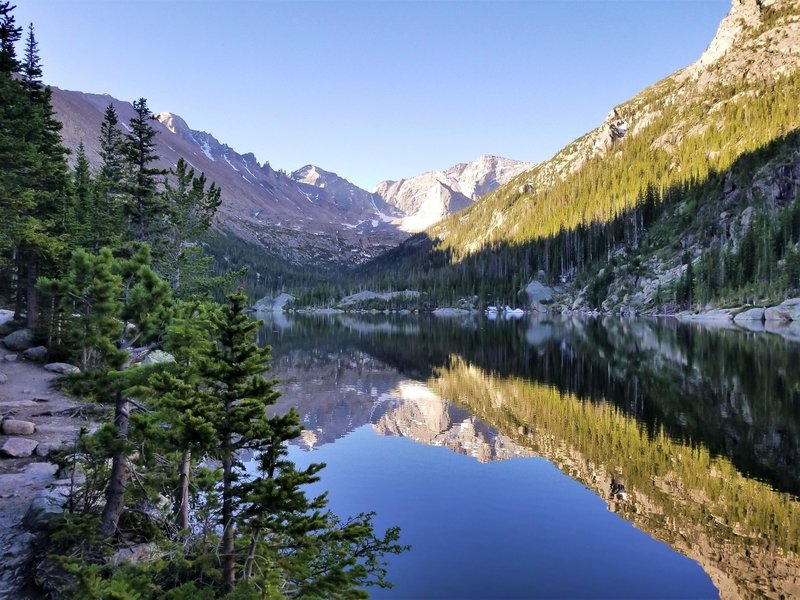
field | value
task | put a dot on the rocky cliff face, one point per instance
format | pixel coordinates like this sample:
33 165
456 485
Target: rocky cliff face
427 198
298 218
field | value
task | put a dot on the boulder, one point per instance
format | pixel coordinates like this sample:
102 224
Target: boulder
3 377
63 368
15 427
11 357
37 353
17 447
157 357
751 314
788 310
45 505
7 322
19 340
538 292
138 553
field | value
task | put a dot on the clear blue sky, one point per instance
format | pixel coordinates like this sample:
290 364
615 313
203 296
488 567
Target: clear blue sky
374 90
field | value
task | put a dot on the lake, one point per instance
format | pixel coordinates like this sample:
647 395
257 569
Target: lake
555 458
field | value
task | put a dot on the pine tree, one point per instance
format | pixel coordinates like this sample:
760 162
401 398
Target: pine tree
111 180
41 230
89 300
192 205
267 519
85 216
10 34
144 311
184 413
145 209
16 155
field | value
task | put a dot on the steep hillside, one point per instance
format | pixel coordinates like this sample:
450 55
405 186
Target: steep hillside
292 218
681 171
428 198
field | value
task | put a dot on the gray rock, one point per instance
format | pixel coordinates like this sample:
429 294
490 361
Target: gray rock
45 505
3 377
538 292
137 553
19 340
46 449
17 447
15 427
37 353
157 357
752 314
7 322
269 304
63 368
11 357
788 310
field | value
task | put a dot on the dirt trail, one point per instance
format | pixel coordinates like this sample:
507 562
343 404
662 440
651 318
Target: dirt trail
28 395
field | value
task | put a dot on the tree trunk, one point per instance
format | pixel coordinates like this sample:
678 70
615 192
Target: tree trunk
120 473
17 283
227 515
182 510
31 296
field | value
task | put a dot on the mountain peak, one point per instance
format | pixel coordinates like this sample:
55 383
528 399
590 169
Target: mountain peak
172 122
738 47
313 175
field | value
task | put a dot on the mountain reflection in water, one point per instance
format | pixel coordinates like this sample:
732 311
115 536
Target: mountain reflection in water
690 434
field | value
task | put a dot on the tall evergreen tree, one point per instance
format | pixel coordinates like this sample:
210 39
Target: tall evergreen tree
111 180
85 216
10 34
39 184
145 209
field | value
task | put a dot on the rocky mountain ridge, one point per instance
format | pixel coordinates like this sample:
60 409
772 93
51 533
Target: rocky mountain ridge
293 219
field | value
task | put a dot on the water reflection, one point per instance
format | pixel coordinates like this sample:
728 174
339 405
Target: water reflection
691 434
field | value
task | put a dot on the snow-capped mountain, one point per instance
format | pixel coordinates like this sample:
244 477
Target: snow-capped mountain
427 198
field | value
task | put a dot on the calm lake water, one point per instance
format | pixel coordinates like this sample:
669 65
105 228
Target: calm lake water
555 458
